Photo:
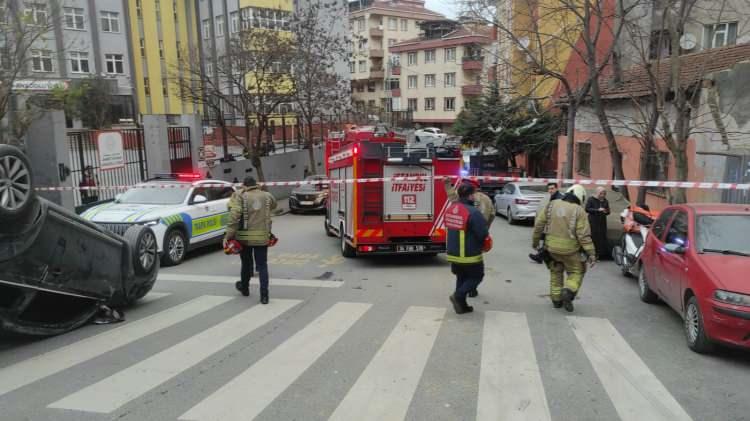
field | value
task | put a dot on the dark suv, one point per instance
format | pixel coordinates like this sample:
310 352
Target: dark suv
56 269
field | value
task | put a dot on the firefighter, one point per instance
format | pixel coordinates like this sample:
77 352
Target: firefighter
481 202
250 224
566 231
467 233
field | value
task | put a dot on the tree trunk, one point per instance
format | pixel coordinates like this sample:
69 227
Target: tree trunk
614 152
681 166
256 156
643 169
311 150
570 142
224 142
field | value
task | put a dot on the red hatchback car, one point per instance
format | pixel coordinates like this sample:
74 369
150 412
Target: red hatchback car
697 260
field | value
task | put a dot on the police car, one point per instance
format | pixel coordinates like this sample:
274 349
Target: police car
193 214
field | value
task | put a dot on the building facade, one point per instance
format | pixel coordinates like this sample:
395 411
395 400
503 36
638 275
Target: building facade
441 70
375 28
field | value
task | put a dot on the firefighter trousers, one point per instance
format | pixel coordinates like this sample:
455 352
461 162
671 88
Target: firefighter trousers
559 266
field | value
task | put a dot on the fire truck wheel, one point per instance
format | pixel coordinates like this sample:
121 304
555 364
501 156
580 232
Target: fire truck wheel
327 230
346 249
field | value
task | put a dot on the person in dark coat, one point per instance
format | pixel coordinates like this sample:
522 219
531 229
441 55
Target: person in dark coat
598 208
554 192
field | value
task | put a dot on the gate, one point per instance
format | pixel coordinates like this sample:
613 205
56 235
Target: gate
180 152
84 153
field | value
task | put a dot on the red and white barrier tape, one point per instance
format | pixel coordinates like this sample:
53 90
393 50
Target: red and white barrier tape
584 182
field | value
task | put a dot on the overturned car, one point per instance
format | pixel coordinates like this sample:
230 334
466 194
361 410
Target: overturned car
56 269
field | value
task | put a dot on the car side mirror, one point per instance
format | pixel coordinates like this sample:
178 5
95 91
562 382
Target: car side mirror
199 199
674 248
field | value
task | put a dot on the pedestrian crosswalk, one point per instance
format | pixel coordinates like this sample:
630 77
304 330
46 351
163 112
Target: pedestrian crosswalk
510 382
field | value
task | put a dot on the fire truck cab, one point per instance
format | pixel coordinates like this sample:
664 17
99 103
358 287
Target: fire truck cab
372 216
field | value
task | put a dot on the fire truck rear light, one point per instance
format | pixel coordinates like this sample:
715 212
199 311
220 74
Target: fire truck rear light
522 202
355 150
366 249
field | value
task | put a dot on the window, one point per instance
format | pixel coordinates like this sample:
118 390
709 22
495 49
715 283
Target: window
178 47
391 42
138 8
219 26
392 84
661 223
143 47
429 104
720 35
393 24
234 22
362 66
412 82
412 104
370 86
41 61
371 104
351 67
429 56
450 54
263 18
660 45
404 25
449 104
361 24
79 62
175 10
74 18
429 81
110 22
412 59
146 86
246 17
114 64
363 44
36 13
677 233
206 29
657 169
450 80
583 158
161 49
395 60
164 87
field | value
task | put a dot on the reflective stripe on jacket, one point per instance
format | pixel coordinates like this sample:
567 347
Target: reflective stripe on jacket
467 230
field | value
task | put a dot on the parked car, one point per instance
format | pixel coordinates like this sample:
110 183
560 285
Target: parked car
184 218
696 260
430 135
310 197
57 269
520 201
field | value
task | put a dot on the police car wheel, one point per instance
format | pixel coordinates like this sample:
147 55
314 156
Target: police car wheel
16 184
142 242
175 247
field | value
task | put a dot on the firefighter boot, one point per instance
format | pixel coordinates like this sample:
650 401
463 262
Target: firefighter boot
473 293
567 299
458 306
557 304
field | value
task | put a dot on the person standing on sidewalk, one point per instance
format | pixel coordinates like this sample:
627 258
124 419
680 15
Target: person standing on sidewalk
250 223
467 231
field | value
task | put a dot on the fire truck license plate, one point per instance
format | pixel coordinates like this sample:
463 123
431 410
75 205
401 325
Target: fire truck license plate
409 249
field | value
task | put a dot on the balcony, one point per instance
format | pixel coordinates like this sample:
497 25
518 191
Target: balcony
377 73
376 32
376 53
471 90
396 71
396 93
473 63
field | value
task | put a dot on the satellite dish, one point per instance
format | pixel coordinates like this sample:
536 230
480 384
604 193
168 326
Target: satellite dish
688 42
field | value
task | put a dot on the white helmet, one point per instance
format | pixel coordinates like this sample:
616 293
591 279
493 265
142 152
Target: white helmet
579 192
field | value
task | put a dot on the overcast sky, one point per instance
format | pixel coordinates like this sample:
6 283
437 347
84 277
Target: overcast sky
446 7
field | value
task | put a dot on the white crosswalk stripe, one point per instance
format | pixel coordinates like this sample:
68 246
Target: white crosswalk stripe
385 388
29 371
510 384
634 390
248 394
119 389
311 283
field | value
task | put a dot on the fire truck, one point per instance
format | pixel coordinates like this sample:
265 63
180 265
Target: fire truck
386 216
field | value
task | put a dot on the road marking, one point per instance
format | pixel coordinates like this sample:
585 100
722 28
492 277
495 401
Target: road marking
386 387
248 394
117 390
634 390
510 384
312 283
153 296
26 372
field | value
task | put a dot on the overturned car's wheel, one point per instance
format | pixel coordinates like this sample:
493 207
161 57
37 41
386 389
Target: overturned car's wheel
142 242
16 185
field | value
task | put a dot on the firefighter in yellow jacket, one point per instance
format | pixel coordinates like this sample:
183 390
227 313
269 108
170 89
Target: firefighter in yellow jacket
250 223
567 235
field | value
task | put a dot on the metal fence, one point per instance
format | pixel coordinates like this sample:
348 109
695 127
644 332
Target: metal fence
84 155
180 152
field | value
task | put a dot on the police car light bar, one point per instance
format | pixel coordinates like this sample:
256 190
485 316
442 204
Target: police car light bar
176 176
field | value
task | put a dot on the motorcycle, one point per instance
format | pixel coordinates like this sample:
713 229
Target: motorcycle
636 222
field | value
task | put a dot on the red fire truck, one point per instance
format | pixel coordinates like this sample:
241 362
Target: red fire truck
386 217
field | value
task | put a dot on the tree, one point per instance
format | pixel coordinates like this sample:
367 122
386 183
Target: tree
19 34
318 88
89 100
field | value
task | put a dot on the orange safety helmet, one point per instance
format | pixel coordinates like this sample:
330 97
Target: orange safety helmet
232 247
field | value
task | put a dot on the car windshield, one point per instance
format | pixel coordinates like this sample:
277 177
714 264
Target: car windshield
723 233
533 189
149 196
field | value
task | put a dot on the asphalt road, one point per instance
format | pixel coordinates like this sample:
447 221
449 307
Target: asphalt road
374 339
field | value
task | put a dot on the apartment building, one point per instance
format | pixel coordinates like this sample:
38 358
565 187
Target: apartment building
376 27
441 70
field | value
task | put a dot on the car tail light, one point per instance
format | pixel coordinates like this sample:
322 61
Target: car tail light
522 202
366 249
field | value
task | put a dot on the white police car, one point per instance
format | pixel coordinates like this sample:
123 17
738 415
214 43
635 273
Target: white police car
193 214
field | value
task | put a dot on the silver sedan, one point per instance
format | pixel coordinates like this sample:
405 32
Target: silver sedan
520 201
